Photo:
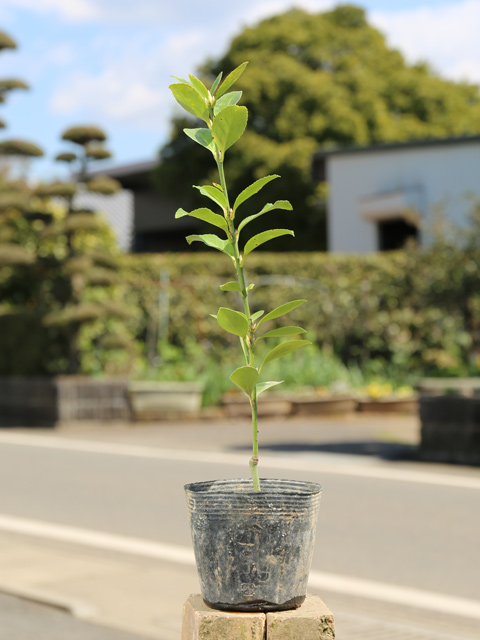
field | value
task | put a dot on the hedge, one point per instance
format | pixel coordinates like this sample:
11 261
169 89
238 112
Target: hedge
409 311
401 313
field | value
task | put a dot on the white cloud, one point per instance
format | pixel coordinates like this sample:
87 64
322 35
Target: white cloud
260 10
446 36
112 94
160 11
129 81
70 10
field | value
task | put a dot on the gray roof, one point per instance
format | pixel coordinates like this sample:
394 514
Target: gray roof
131 176
388 146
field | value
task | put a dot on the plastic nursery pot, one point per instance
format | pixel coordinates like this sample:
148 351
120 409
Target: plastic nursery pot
253 549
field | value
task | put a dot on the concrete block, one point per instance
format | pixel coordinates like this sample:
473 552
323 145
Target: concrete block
203 623
312 621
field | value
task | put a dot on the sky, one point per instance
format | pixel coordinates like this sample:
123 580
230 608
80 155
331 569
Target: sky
109 62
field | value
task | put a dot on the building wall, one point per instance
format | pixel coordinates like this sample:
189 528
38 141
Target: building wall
117 209
444 176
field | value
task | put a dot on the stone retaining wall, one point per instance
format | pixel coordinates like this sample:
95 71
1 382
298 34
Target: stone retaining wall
40 401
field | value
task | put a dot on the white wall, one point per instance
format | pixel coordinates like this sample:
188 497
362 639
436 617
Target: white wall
444 173
117 209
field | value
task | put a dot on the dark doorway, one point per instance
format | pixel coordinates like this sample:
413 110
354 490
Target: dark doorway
393 234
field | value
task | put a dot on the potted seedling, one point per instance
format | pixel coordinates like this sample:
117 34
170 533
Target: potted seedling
253 538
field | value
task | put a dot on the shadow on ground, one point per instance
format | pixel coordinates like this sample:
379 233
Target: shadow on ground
378 449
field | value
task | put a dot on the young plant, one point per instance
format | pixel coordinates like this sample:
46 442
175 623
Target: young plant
225 124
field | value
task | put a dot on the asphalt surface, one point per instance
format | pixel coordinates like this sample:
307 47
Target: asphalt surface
22 619
390 530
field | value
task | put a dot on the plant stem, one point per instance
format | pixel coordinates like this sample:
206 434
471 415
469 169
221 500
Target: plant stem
248 341
221 174
254 459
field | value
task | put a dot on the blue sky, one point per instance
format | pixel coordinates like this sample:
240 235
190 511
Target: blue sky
108 62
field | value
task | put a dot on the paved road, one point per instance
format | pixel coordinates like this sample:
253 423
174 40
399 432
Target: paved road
383 524
24 620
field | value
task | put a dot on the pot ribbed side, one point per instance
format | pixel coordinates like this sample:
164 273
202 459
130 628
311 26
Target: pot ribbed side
253 549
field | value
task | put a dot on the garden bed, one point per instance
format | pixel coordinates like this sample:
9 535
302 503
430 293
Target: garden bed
236 405
389 405
323 405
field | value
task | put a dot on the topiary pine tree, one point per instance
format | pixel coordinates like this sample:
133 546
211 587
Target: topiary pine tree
83 259
57 263
14 194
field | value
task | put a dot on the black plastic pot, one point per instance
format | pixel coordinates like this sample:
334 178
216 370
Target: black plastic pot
253 549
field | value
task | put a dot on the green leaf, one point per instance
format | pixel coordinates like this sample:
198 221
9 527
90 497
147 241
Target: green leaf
283 349
188 98
252 190
199 86
263 237
181 80
228 99
282 310
282 331
245 378
231 286
203 137
233 321
279 204
228 126
207 215
214 194
263 386
216 83
255 316
213 241
231 79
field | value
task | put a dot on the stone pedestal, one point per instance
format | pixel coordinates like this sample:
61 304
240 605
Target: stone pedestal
312 621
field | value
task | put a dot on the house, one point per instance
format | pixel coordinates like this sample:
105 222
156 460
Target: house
117 210
379 196
153 227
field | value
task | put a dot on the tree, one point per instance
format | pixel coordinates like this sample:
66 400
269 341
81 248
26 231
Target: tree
14 147
80 258
14 194
337 84
58 268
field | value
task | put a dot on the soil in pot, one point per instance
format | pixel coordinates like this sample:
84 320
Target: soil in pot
253 549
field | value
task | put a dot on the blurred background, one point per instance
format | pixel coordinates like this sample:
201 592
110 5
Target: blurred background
370 113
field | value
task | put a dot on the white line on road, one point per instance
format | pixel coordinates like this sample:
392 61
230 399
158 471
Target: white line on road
318 463
97 540
172 553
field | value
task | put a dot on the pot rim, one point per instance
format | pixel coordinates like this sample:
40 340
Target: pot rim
236 485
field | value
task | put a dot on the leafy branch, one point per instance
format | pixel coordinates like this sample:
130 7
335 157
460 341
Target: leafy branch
225 123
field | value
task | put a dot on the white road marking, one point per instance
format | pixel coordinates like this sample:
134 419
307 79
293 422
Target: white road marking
322 463
183 555
396 594
97 539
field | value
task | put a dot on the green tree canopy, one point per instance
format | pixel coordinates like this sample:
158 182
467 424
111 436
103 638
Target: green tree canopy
337 84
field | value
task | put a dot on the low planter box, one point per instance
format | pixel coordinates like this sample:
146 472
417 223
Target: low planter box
157 400
42 401
450 429
407 406
327 405
236 405
467 387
